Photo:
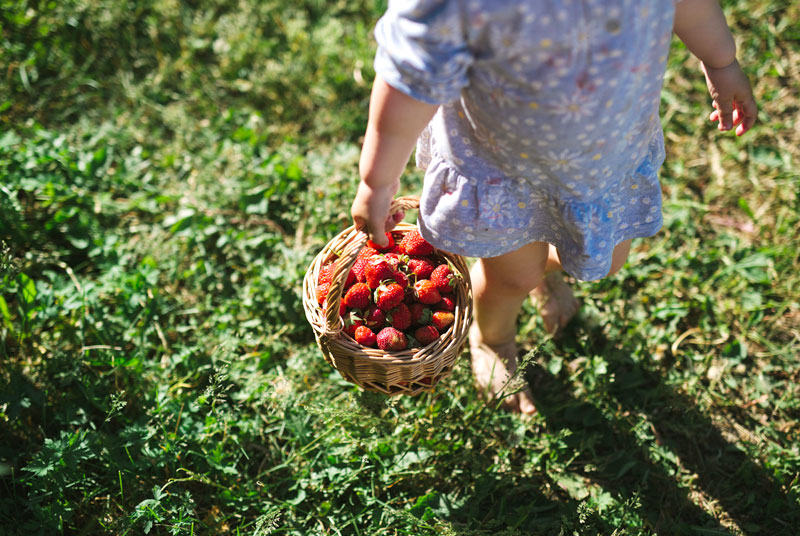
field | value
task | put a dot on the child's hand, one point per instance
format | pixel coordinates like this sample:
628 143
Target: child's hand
733 98
370 211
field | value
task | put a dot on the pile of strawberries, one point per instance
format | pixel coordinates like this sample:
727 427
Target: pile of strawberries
396 297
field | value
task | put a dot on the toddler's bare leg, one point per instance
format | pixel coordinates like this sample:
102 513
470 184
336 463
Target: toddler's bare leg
500 286
554 298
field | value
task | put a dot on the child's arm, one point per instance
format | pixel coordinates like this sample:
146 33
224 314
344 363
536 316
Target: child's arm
395 122
701 25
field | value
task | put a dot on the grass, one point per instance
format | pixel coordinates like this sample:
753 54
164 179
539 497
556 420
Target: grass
169 171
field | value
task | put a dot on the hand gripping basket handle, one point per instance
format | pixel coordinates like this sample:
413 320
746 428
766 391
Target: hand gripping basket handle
333 322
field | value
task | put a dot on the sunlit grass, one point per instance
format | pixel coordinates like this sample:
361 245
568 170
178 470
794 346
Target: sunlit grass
170 171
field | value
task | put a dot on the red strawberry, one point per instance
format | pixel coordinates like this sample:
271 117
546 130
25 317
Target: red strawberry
392 340
420 313
351 278
389 296
444 279
377 270
396 260
426 292
426 335
357 271
400 317
365 336
357 296
447 304
375 318
401 279
421 266
351 323
442 319
366 252
387 247
414 244
322 292
325 274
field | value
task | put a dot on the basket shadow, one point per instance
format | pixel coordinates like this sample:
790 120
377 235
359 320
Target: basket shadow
505 502
722 470
611 456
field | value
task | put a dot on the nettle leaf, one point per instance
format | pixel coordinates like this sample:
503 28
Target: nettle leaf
41 469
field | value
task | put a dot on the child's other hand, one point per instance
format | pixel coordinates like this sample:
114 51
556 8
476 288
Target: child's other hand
733 98
370 211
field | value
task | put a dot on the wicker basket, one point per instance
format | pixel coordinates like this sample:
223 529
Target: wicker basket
408 371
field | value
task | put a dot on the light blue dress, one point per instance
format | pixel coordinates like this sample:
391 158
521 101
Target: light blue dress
548 128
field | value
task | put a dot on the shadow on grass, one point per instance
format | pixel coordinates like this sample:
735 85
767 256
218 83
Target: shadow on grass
719 475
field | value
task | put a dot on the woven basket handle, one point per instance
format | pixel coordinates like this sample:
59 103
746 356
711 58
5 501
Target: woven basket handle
345 262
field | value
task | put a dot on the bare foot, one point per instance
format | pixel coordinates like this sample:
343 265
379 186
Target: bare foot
492 366
555 301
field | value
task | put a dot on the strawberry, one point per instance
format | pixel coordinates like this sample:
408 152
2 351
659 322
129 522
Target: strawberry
376 270
392 340
365 336
426 334
351 279
421 266
351 323
401 279
444 279
322 292
426 292
357 271
396 260
389 296
414 244
366 252
447 304
375 318
420 313
442 319
358 296
325 274
400 317
387 247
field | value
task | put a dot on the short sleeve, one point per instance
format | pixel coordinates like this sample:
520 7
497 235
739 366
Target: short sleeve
422 49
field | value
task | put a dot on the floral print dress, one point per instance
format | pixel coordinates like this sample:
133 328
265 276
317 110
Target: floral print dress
548 126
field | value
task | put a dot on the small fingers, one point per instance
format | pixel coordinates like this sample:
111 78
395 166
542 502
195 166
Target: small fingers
371 229
399 216
378 235
724 111
748 111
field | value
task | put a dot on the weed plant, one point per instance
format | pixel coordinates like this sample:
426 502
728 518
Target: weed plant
169 170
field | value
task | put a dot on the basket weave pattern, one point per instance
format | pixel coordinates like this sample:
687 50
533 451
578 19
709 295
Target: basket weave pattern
409 371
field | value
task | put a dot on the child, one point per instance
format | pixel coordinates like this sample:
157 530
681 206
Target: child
537 124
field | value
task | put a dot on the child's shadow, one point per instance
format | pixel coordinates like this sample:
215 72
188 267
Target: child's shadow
708 469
